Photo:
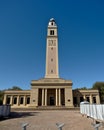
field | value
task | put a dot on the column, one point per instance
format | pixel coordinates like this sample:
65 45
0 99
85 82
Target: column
56 96
11 100
90 99
42 97
18 101
45 97
78 100
59 97
24 101
5 98
97 99
84 97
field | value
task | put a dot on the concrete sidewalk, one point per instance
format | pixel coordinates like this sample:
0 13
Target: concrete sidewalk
46 120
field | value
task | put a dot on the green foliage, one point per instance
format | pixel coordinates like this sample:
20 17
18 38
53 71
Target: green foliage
100 87
83 88
1 97
15 88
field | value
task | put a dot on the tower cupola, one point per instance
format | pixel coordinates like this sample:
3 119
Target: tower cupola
52 23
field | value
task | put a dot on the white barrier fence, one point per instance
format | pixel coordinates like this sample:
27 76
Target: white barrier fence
4 110
94 111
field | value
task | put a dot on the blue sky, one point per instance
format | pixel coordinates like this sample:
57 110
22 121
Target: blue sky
23 29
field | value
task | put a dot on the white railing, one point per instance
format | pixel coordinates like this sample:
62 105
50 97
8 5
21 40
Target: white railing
93 111
5 110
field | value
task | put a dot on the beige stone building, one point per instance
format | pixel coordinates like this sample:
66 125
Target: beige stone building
92 96
50 90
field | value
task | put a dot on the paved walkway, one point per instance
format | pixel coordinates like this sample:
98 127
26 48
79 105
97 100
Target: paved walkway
46 120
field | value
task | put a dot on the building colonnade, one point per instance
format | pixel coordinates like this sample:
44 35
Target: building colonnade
92 99
16 100
56 95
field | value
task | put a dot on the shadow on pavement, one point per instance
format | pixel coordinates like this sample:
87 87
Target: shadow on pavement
19 115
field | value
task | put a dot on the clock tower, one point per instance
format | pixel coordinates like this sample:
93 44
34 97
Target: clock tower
52 50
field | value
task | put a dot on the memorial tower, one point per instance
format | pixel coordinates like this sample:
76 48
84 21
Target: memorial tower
52 50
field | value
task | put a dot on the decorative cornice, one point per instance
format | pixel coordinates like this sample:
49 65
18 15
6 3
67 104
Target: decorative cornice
50 82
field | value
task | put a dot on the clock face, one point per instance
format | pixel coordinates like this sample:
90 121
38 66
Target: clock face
52 42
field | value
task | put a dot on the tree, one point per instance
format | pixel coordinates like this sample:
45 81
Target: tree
1 96
100 87
15 88
83 88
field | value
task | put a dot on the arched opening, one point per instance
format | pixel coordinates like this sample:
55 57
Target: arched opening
21 100
15 100
8 100
28 100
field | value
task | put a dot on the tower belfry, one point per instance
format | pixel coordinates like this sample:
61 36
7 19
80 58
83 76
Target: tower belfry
52 51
